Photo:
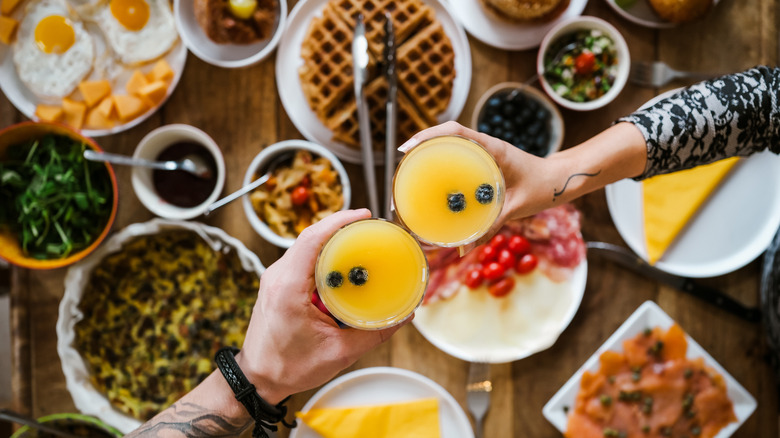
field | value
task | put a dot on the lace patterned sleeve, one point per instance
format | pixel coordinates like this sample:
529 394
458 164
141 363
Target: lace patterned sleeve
737 114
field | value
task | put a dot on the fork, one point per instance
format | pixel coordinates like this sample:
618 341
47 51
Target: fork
658 74
478 391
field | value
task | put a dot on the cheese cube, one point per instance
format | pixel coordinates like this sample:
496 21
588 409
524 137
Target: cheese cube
7 28
153 93
49 113
137 80
129 107
74 113
6 6
160 72
94 91
106 107
96 119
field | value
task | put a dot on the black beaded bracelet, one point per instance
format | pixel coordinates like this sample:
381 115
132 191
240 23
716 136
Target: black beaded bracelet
265 414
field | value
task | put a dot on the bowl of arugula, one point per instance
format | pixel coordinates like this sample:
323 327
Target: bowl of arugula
55 206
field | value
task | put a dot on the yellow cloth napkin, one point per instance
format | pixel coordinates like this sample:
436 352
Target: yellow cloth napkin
671 200
415 419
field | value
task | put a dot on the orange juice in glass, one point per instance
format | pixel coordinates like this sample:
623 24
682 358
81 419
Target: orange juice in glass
448 191
371 274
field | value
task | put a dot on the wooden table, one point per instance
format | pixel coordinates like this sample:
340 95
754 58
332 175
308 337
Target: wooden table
241 110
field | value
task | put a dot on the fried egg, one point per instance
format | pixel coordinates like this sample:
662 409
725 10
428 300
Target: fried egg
53 51
137 30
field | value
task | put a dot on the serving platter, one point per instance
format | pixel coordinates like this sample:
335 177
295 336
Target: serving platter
288 61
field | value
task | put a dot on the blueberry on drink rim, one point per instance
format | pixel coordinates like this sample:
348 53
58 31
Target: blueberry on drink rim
358 276
456 202
484 194
334 279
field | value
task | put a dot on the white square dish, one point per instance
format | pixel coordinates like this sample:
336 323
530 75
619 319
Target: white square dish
647 315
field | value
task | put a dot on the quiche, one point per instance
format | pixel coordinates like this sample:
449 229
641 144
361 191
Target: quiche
154 315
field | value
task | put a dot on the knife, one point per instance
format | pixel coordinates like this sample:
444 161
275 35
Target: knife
391 111
360 73
628 259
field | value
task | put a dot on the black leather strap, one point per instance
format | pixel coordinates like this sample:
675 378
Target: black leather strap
265 414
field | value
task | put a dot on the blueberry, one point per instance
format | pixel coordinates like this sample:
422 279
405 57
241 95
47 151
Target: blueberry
542 114
498 132
508 109
508 125
496 119
534 128
484 194
526 113
358 276
483 127
532 105
334 279
494 102
456 202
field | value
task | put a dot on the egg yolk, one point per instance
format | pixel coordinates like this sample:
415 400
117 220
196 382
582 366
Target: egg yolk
54 34
132 14
243 9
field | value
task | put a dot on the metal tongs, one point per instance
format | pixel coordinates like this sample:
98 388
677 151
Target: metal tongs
391 111
360 59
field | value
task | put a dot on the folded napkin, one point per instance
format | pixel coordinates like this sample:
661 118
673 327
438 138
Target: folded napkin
415 419
671 200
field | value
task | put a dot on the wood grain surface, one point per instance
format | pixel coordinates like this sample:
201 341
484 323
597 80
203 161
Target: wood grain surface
241 110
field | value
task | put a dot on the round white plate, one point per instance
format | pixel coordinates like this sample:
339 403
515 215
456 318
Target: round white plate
540 334
504 34
384 385
730 230
641 13
25 101
288 60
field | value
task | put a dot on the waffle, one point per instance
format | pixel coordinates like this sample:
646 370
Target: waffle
345 125
407 15
426 70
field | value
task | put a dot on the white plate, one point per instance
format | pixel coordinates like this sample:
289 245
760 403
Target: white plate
539 335
25 101
642 14
288 60
647 315
504 34
730 230
384 385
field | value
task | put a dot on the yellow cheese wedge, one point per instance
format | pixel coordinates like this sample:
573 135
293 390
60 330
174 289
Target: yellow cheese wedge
136 81
160 72
153 93
128 107
49 113
97 120
106 107
74 112
94 91
671 200
7 28
415 419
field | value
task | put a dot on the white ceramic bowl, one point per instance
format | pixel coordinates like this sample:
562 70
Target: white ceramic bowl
150 147
555 124
224 55
264 158
581 23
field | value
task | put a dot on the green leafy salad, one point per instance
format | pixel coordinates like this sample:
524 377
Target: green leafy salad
52 198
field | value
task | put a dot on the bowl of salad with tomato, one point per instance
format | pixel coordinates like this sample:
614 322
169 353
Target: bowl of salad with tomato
305 182
583 63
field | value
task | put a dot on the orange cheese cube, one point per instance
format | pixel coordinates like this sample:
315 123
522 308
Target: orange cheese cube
7 28
96 119
106 107
153 93
49 113
128 107
137 80
6 6
94 91
160 72
74 113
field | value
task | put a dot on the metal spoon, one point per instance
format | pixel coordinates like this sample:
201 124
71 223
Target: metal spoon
15 417
191 163
281 158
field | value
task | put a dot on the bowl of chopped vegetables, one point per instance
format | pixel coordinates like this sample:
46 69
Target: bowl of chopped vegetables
583 63
55 206
306 183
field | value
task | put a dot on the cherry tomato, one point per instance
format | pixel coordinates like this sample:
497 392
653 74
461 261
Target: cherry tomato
506 259
487 254
300 195
502 287
474 278
519 245
493 271
498 241
526 264
584 63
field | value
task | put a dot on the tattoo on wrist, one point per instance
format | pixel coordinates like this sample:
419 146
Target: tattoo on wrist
557 193
191 421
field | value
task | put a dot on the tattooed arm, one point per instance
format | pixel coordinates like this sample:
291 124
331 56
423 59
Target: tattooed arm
290 346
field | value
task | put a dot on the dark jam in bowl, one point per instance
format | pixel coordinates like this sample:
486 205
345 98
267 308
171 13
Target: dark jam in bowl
182 188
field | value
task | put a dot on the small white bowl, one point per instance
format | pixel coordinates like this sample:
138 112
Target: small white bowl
224 55
585 23
555 123
150 147
262 159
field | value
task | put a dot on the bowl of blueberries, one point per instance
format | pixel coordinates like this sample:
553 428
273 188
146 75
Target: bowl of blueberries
522 116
